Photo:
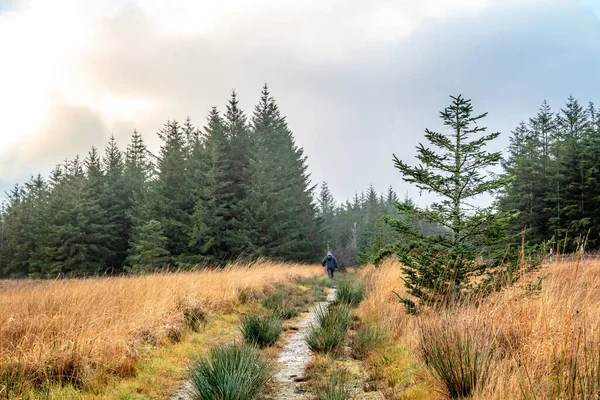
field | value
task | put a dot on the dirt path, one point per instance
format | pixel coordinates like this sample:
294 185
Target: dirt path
294 356
291 362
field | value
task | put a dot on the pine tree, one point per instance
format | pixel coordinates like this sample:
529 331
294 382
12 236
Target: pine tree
288 229
116 202
148 248
238 157
326 213
572 123
441 267
211 227
138 171
525 192
170 198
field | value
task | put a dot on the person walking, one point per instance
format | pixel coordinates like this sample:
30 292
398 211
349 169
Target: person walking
330 263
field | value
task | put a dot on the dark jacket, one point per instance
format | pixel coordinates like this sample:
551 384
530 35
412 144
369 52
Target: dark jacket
329 261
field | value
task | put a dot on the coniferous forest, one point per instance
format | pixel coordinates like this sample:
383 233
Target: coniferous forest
237 188
554 162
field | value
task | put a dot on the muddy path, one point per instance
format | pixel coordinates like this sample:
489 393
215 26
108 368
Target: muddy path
294 357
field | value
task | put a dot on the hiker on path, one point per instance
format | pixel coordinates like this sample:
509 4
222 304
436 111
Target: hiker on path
330 263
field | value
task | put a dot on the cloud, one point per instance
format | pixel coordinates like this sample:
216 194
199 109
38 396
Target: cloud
69 130
358 80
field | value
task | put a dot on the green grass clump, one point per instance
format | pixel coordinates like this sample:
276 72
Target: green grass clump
367 338
231 372
350 291
286 310
274 298
459 358
330 330
261 330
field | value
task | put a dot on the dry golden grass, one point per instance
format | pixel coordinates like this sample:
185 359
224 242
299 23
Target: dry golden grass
545 329
86 330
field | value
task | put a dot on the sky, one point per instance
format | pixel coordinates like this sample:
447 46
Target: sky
358 80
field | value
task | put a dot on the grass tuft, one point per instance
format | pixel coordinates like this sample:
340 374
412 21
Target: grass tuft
330 330
261 330
231 372
286 310
460 358
367 338
350 291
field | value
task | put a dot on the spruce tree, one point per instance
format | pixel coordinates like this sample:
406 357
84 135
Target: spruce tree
117 204
441 267
238 159
138 171
288 228
326 213
170 198
148 248
211 231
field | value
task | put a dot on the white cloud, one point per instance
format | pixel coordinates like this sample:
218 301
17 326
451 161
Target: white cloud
75 71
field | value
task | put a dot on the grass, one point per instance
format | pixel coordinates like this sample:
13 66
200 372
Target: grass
261 330
350 291
333 391
459 357
88 334
545 341
231 372
286 310
288 301
330 330
367 338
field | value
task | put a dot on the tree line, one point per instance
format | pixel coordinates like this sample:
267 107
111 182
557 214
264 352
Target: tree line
236 188
554 163
355 230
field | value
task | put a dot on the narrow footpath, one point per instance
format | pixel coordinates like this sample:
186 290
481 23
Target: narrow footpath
294 357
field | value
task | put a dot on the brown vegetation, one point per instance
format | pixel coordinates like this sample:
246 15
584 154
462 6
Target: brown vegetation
85 330
543 333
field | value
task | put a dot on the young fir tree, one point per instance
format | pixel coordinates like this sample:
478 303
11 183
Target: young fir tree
148 248
440 267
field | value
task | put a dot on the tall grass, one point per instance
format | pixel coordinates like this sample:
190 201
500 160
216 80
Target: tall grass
231 372
88 329
350 291
330 329
368 337
545 329
459 357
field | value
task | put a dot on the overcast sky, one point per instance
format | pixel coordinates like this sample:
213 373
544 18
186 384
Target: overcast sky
358 80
